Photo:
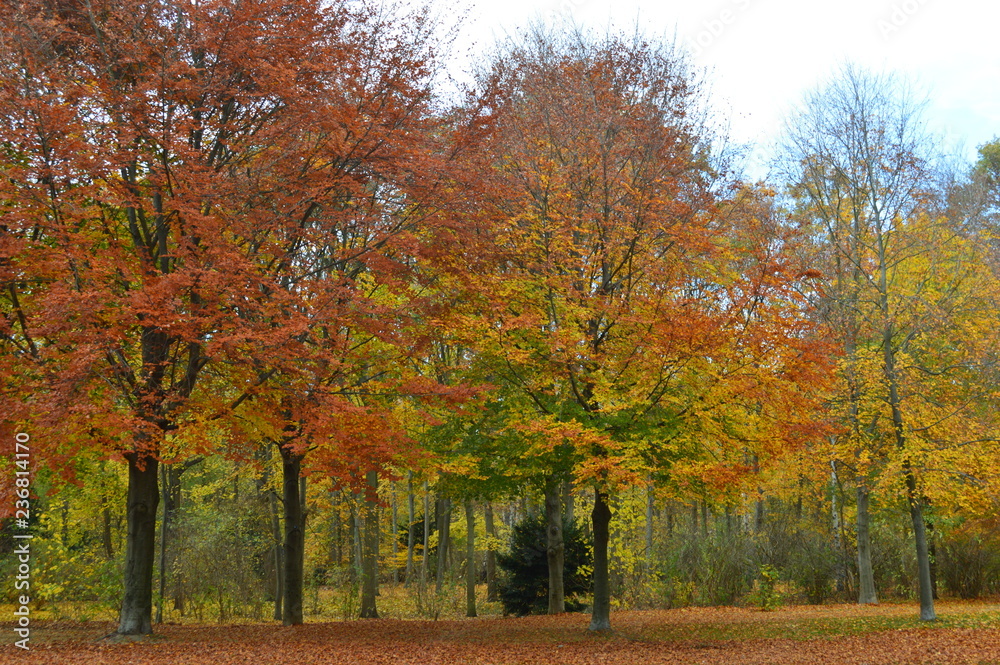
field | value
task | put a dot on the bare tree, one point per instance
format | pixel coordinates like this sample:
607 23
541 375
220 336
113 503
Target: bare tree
857 160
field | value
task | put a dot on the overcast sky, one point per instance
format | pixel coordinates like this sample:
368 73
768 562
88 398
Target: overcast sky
762 55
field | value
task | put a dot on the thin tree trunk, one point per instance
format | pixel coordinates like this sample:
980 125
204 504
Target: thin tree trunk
470 559
838 542
294 554
932 553
600 619
336 530
555 548
439 561
491 557
569 503
446 555
427 536
369 557
444 528
279 556
866 579
410 518
650 504
140 546
164 531
395 535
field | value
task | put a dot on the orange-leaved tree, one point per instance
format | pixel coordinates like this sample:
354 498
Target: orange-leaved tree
637 309
175 175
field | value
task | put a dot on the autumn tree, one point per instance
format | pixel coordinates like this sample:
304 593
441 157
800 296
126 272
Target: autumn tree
189 191
901 285
622 301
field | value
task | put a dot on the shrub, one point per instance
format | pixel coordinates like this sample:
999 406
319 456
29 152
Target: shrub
523 587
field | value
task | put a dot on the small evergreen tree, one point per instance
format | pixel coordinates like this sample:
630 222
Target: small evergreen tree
523 585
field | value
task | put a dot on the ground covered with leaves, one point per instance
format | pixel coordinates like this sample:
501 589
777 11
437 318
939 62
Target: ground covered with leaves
964 633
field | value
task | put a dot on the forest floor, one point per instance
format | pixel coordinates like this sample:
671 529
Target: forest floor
965 632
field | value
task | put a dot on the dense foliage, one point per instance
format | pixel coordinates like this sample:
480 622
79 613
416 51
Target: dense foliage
524 588
273 315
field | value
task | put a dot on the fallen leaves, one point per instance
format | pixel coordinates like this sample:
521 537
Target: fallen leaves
848 634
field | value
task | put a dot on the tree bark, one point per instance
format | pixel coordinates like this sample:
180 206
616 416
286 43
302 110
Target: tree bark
140 547
920 537
369 557
294 550
932 552
650 504
279 556
164 535
427 538
600 619
410 518
491 557
569 503
555 548
470 559
395 535
866 579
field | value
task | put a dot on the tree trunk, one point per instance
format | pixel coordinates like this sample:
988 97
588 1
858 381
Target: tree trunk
932 553
164 531
369 557
470 559
866 579
140 547
444 532
491 557
600 619
336 530
555 548
427 537
279 556
569 503
439 558
410 518
294 550
920 537
838 542
446 555
395 535
650 505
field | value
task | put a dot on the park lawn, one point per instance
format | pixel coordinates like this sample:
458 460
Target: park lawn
889 633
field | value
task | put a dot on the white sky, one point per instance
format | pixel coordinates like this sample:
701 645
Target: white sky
764 54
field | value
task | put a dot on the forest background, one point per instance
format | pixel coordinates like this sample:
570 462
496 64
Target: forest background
276 311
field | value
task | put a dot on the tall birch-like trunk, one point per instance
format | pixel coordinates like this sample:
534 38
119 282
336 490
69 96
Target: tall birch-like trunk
555 548
866 578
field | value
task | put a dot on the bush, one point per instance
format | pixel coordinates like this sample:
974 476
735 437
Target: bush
523 587
968 566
